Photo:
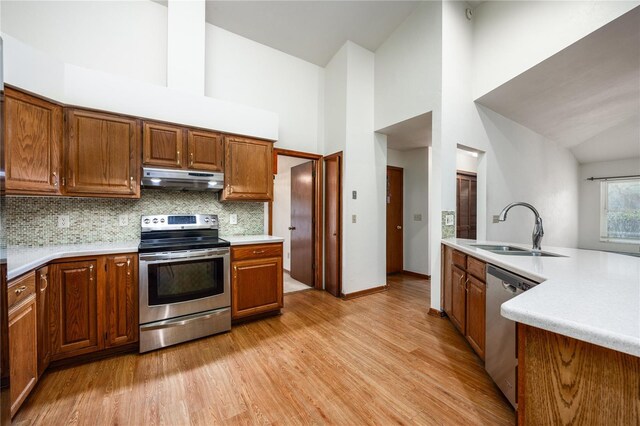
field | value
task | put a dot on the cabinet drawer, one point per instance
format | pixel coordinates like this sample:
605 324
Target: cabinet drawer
476 268
459 259
257 251
20 289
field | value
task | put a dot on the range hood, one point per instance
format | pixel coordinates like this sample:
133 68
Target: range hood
185 180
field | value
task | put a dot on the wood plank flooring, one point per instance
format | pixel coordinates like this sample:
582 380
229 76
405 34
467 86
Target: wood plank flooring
378 359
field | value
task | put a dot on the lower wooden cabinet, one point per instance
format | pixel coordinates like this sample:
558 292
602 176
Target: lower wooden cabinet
43 302
256 280
23 340
464 296
121 300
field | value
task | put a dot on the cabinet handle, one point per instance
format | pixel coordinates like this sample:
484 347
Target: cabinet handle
258 251
128 266
91 272
20 289
131 183
44 279
55 179
191 158
178 152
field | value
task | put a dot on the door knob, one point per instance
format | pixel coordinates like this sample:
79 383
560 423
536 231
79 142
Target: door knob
398 227
291 228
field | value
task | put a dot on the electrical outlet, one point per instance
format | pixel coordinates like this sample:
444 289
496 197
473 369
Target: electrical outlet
353 218
123 220
448 220
233 219
417 217
63 221
354 195
496 218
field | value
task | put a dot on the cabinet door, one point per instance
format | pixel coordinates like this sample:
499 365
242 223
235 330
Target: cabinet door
476 315
256 286
74 309
447 287
33 144
458 298
102 155
206 150
163 145
122 300
23 361
43 302
248 169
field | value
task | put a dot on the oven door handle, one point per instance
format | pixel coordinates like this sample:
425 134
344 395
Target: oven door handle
191 255
180 322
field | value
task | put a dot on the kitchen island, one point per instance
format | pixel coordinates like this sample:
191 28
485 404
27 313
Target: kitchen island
578 333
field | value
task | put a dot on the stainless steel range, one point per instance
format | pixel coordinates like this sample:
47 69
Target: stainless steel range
184 280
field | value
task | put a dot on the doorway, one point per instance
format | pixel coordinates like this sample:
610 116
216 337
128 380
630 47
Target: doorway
333 224
395 225
296 215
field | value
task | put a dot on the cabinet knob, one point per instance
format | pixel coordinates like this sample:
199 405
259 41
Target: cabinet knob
398 227
258 251
21 289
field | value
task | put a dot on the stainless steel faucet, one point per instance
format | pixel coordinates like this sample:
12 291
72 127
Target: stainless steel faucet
538 231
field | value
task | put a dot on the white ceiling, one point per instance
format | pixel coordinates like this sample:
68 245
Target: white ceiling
586 97
311 30
409 134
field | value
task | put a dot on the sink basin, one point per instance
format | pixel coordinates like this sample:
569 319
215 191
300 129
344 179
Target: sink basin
514 251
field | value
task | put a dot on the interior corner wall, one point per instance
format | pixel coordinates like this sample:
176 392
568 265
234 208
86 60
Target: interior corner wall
126 38
513 36
590 210
241 70
407 68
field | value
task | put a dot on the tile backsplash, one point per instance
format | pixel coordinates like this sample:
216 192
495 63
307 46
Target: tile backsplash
33 221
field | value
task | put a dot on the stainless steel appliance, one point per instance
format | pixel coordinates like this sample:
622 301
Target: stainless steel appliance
187 180
184 280
500 353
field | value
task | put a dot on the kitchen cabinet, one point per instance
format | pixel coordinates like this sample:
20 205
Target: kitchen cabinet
43 303
176 147
248 172
464 296
23 361
102 155
32 144
256 279
74 315
121 300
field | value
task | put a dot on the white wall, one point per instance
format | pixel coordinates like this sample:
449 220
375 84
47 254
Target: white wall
282 204
126 38
241 70
186 45
466 162
589 217
513 36
335 102
415 165
407 68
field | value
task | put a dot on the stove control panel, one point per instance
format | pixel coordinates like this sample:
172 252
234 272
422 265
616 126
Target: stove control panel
177 222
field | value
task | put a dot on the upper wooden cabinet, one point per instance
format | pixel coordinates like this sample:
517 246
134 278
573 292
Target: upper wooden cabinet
248 172
33 144
102 155
176 147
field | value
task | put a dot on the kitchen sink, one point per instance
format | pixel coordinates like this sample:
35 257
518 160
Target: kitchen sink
514 251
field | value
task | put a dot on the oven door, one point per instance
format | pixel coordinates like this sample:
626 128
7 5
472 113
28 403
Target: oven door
174 284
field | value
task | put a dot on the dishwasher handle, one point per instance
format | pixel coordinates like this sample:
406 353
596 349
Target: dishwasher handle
510 280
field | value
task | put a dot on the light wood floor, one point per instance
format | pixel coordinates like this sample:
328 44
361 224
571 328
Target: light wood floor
378 359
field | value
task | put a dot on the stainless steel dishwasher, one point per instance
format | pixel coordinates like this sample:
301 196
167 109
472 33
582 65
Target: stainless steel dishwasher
500 353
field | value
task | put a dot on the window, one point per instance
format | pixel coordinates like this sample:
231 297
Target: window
620 210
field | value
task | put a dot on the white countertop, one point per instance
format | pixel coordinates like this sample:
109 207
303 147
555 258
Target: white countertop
593 296
23 259
238 240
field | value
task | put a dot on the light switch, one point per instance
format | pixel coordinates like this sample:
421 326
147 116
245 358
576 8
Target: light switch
353 218
417 217
233 219
448 220
354 195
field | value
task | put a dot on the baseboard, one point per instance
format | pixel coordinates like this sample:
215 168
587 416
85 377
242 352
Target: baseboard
436 313
366 292
94 356
417 275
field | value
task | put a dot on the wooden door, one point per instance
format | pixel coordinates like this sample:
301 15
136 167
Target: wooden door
33 144
23 361
121 289
163 145
394 219
458 298
256 286
447 279
248 168
206 150
43 302
74 309
302 195
102 155
466 202
476 315
333 224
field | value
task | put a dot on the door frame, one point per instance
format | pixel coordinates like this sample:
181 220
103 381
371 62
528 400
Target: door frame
470 174
339 156
401 170
317 207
